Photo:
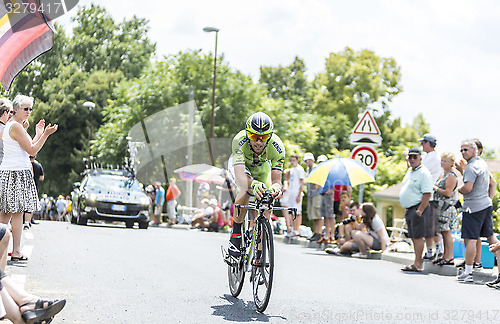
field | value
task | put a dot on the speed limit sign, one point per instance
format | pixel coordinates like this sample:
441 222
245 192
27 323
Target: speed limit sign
366 155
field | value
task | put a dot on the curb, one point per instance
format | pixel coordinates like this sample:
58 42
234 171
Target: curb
480 275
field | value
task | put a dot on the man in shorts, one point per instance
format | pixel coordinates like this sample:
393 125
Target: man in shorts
477 209
414 197
258 158
313 200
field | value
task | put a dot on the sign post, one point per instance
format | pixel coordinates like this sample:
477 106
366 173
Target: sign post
365 135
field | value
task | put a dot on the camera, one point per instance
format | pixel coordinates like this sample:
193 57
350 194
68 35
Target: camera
349 220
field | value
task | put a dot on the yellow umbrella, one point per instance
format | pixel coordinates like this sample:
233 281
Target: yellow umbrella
341 171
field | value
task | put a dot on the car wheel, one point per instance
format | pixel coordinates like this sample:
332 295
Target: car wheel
143 225
80 220
129 224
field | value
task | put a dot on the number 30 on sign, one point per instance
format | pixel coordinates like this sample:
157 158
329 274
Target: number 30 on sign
366 155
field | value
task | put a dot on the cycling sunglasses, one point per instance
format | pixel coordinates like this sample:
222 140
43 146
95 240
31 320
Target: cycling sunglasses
256 137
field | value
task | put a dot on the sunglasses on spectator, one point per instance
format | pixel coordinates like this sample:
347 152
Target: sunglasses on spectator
412 156
28 109
256 137
464 150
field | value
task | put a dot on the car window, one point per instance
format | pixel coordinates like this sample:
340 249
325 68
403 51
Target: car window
111 182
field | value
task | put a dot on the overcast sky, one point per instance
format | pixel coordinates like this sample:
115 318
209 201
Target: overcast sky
448 51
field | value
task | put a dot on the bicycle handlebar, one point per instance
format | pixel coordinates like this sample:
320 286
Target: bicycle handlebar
266 203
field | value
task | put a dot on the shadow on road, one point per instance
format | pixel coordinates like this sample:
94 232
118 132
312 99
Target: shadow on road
236 310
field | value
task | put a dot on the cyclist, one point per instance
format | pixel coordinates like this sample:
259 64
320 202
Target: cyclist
258 158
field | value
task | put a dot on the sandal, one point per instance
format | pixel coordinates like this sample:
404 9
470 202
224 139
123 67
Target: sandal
43 312
437 261
411 268
19 258
447 262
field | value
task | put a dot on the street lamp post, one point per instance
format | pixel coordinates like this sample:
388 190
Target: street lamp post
90 105
209 30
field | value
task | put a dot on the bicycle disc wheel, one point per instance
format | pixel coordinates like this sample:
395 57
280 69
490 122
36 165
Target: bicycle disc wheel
236 275
263 275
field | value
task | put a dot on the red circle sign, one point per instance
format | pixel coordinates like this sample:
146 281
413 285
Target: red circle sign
366 155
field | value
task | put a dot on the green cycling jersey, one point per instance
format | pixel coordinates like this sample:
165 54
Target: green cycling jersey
272 158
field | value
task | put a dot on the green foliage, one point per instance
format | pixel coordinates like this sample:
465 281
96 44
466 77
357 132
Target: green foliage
496 205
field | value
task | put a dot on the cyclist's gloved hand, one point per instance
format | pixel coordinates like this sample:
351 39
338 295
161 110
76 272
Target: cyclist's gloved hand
258 188
275 190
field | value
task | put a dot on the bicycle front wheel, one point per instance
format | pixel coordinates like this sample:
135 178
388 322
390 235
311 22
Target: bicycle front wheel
236 275
263 273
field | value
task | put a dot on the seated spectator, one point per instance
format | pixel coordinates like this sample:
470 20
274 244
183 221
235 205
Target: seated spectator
351 223
203 214
17 305
216 222
375 237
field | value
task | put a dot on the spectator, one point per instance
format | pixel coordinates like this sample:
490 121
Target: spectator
173 192
17 305
432 163
414 197
51 208
337 198
16 179
202 215
60 207
313 200
326 210
284 202
159 201
345 243
65 216
6 112
43 207
353 222
445 196
216 222
150 192
460 166
203 192
295 188
375 237
477 217
37 176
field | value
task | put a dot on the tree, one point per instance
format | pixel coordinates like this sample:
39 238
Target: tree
98 43
352 82
167 83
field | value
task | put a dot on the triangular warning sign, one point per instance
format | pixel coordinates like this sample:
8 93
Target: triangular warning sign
366 125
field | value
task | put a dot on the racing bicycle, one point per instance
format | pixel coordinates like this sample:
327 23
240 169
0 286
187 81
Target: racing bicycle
258 238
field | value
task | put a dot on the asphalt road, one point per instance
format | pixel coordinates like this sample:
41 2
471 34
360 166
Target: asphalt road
110 274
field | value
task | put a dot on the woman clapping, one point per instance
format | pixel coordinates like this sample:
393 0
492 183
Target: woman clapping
17 187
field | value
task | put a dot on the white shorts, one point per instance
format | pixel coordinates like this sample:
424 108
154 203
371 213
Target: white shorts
292 202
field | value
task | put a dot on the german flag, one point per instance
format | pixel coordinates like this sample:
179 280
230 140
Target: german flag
25 33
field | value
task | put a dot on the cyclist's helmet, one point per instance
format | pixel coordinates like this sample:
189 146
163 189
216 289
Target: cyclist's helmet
260 124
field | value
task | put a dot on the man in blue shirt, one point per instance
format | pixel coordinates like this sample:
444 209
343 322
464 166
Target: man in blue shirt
414 197
159 201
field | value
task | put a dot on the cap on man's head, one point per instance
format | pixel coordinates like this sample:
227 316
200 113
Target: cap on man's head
213 202
414 151
308 156
322 158
428 138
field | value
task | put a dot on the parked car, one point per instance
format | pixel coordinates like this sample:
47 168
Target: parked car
111 195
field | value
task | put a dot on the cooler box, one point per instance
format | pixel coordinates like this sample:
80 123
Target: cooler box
487 258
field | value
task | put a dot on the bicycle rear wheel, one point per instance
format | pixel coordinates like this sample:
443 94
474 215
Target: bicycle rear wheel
236 275
263 275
